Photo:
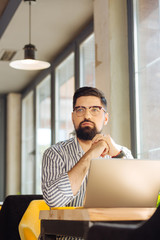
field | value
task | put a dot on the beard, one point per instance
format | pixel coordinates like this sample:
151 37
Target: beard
86 133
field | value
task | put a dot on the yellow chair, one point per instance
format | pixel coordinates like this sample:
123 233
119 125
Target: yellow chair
29 226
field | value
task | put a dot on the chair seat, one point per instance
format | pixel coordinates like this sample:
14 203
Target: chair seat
149 230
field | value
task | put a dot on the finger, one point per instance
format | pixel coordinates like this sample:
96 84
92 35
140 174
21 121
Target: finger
98 137
105 152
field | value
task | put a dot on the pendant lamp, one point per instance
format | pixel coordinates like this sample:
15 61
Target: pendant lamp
29 62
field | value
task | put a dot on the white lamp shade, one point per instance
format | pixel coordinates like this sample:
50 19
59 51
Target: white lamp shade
29 64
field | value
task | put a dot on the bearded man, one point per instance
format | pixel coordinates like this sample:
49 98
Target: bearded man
65 165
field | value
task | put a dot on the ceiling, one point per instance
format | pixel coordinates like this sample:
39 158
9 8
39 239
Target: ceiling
54 24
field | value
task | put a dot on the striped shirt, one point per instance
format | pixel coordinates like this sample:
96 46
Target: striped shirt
57 161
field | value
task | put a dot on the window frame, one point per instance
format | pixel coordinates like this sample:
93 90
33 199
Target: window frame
132 87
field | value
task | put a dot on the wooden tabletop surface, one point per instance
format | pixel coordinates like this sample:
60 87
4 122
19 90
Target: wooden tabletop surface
97 214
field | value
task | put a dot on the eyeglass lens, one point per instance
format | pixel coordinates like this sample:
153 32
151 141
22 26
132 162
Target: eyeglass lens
94 110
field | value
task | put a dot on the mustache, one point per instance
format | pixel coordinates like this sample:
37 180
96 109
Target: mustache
86 120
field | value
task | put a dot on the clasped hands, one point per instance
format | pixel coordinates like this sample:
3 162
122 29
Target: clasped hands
106 145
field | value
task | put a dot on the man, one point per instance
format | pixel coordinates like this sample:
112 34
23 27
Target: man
65 165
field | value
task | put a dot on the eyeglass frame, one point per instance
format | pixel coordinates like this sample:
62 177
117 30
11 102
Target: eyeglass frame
83 107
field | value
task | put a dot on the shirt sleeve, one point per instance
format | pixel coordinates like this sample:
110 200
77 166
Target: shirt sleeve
56 186
127 153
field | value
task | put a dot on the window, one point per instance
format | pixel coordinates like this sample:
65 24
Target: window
28 151
64 93
87 62
147 77
42 117
43 126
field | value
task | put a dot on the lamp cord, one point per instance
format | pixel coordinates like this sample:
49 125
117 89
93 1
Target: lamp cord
29 22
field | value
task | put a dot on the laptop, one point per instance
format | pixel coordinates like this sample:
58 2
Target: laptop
123 183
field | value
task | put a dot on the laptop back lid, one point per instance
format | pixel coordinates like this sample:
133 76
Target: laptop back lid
123 183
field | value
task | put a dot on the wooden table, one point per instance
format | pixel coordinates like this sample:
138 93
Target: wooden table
75 222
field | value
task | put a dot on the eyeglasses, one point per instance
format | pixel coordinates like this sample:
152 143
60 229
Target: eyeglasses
94 110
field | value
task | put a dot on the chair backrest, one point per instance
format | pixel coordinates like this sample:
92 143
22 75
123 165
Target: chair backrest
11 213
29 226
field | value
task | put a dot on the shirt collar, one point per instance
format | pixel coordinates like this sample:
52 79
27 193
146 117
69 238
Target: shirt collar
79 149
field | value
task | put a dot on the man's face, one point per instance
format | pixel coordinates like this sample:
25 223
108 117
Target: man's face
87 125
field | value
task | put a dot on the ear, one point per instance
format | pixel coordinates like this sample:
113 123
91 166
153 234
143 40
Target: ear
72 116
106 119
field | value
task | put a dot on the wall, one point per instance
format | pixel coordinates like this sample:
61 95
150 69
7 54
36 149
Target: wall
13 143
112 74
2 146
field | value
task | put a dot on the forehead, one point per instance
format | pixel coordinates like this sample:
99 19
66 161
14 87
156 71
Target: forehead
87 101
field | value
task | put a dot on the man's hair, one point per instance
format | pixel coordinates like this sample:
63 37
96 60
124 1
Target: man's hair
89 91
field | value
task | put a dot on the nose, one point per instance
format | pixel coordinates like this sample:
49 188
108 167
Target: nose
87 114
